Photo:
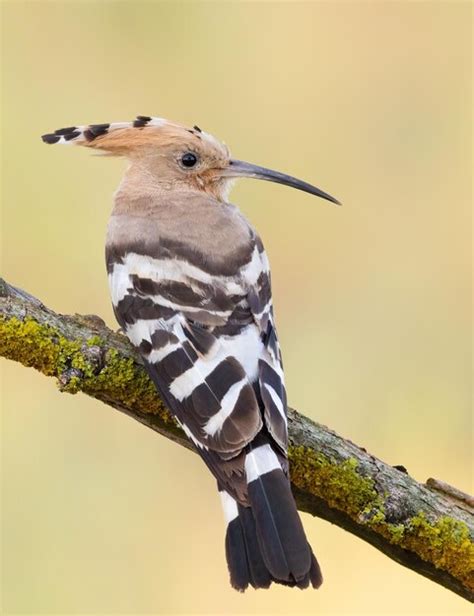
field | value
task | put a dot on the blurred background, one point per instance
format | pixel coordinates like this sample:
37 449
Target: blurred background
371 101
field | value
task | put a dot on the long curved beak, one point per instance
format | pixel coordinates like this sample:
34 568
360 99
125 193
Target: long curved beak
241 169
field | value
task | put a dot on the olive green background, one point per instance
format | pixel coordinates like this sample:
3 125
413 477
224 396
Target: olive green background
371 101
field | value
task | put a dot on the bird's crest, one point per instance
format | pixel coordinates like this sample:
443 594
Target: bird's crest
124 138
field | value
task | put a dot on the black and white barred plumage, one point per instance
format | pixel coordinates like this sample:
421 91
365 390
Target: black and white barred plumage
210 346
190 286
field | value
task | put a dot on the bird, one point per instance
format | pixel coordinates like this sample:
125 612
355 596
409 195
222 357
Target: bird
190 286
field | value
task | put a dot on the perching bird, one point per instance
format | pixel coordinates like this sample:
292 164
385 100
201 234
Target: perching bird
190 286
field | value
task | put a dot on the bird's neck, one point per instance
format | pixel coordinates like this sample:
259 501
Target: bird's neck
149 214
142 192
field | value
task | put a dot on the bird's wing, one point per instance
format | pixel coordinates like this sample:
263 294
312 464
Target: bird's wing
270 374
202 345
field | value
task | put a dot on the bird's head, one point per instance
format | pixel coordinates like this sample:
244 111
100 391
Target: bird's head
174 156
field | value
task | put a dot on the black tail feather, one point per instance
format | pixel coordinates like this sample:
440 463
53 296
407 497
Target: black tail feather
315 575
279 529
263 548
259 575
236 555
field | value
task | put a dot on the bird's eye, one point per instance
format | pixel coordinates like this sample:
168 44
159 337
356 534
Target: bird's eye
189 160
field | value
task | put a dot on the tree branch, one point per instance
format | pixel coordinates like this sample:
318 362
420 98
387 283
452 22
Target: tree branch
426 527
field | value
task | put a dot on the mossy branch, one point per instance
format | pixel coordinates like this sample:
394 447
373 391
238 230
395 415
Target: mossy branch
426 527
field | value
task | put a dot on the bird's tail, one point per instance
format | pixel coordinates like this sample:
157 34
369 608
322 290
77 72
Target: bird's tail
266 542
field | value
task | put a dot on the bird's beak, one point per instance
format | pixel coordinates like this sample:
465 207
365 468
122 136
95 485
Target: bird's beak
241 169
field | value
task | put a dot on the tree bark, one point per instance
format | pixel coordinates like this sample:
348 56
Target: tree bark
428 528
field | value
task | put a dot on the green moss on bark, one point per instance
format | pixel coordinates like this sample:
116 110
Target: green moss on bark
445 542
123 379
31 344
339 484
85 365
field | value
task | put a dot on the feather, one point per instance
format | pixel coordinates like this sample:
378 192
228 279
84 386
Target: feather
279 530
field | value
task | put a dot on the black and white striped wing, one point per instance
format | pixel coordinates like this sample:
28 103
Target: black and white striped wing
202 348
207 381
209 344
270 373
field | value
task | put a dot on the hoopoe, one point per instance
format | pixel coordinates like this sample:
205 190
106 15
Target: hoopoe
190 287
